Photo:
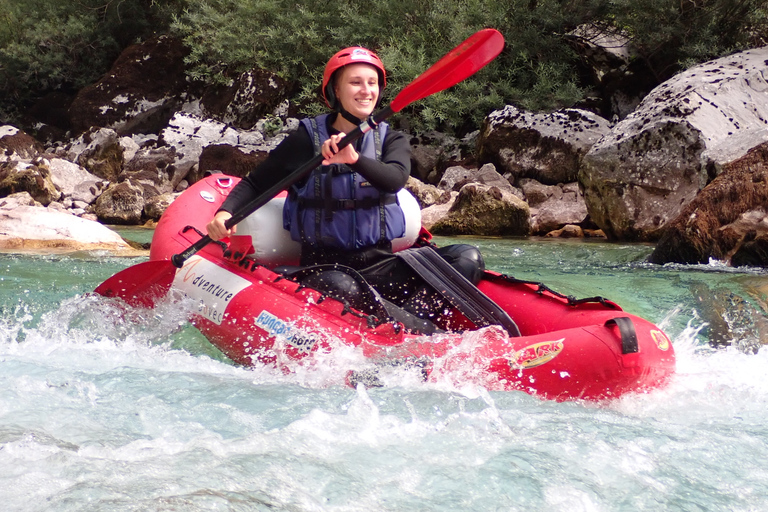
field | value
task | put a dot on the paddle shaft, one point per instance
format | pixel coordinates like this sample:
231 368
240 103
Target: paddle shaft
263 198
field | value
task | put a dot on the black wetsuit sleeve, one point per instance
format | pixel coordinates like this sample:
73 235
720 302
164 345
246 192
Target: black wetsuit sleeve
289 155
391 173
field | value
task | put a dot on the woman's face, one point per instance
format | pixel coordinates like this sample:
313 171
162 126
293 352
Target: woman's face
357 88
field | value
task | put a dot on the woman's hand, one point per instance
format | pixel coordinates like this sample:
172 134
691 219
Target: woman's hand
216 228
332 155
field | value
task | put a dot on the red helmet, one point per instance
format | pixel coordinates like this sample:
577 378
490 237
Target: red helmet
351 55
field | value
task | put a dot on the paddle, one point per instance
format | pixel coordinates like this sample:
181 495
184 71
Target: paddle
141 283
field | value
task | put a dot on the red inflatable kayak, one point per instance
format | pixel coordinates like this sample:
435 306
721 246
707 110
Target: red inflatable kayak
546 344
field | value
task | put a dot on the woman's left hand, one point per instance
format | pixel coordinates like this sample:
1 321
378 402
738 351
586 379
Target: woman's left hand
332 155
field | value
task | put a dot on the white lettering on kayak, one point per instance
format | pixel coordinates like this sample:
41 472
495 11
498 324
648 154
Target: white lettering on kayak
274 326
211 285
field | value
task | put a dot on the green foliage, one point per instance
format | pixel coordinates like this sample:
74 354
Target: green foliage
48 45
673 35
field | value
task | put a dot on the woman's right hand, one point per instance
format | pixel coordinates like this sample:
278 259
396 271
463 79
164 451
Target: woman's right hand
216 228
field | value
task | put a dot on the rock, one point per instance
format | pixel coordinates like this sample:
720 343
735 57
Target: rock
426 195
433 214
653 163
99 151
252 96
25 227
121 203
230 160
484 210
568 231
553 206
155 206
432 152
15 144
726 214
189 134
74 182
12 201
545 147
139 94
618 75
424 159
753 253
456 177
157 162
27 177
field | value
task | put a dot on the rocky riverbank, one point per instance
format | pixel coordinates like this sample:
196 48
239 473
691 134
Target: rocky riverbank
685 169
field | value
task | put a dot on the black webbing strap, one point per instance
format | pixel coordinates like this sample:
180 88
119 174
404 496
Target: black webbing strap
457 289
349 204
628 334
382 212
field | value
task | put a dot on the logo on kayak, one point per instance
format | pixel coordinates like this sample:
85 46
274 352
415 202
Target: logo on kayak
207 196
661 340
210 284
277 327
536 354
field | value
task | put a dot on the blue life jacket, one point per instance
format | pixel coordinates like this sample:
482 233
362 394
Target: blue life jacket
336 207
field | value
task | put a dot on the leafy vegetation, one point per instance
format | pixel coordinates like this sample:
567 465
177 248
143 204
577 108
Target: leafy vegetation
48 45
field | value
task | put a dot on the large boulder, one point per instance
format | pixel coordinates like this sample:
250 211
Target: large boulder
426 195
620 79
485 210
16 176
726 221
27 227
653 163
15 144
455 177
100 151
230 160
74 181
189 134
553 207
545 147
121 203
250 97
145 86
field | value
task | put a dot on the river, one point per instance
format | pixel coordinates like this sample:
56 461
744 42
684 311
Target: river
107 410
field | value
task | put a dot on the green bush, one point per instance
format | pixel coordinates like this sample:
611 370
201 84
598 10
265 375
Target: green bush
50 45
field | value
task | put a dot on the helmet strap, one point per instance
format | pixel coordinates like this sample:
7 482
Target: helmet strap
349 117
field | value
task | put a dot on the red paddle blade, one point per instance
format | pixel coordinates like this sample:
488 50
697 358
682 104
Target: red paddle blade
140 285
460 63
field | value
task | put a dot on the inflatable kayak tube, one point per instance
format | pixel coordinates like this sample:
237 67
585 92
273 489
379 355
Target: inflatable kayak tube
254 312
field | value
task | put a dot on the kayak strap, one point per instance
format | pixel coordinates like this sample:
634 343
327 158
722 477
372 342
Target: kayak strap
628 334
456 289
541 289
347 285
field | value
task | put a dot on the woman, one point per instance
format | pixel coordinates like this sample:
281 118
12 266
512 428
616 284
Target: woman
345 211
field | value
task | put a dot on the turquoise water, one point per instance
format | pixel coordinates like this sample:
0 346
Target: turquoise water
107 409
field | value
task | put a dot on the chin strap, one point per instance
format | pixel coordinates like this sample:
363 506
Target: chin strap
349 117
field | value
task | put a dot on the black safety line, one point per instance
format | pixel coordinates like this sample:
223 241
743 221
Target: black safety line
457 289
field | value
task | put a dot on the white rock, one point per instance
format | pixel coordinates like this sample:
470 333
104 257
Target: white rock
74 181
33 227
